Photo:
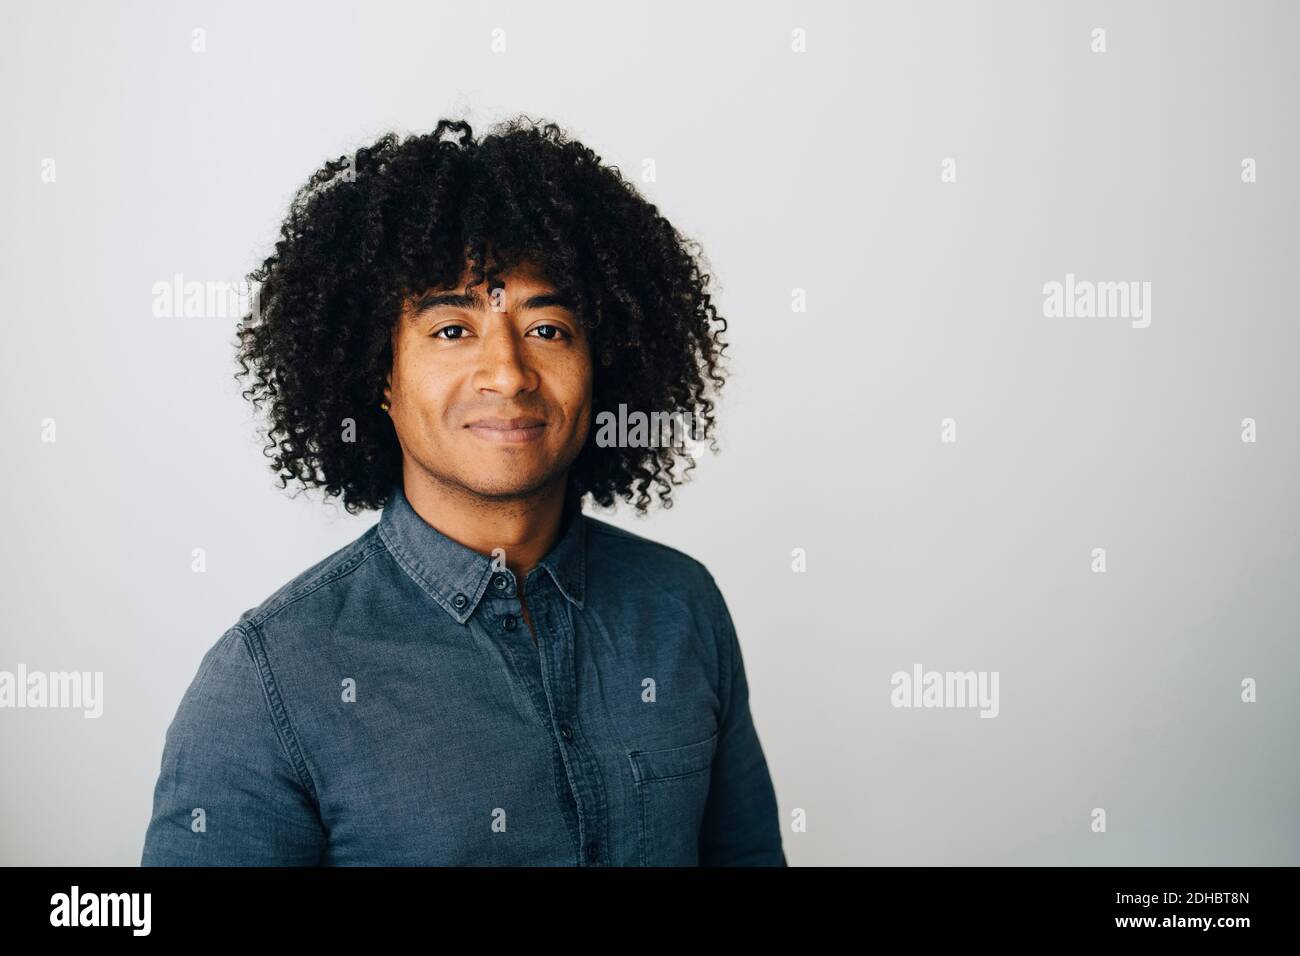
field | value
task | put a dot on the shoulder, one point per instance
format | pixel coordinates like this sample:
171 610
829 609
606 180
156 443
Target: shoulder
676 590
636 559
324 583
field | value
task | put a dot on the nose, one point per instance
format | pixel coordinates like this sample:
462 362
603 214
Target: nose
502 362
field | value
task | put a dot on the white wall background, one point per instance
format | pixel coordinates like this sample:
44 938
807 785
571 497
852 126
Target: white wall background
819 171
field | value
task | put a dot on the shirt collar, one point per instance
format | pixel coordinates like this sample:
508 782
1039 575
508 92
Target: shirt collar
456 576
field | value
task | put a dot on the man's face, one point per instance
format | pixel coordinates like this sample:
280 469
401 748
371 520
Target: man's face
491 395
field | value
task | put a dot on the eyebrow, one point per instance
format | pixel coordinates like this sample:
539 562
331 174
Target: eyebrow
475 300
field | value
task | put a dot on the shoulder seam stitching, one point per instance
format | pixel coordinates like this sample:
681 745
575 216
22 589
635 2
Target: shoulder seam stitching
311 587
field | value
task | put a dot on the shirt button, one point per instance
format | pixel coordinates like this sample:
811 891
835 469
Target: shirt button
499 582
460 600
593 851
564 729
511 622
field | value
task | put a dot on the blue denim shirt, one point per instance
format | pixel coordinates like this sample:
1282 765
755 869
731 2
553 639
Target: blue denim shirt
389 707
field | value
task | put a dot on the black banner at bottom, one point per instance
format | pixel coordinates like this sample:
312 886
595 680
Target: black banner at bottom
1174 904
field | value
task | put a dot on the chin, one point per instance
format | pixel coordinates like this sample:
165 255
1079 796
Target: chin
514 487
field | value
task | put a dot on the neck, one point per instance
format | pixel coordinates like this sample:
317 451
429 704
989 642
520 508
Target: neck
525 528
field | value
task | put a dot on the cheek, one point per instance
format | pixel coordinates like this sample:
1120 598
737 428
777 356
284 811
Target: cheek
566 382
425 385
578 402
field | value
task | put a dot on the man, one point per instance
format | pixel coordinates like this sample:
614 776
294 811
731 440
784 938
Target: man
487 675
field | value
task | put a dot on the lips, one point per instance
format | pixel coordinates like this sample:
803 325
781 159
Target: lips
507 424
508 430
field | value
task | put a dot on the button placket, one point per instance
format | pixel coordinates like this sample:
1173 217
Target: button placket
532 667
555 655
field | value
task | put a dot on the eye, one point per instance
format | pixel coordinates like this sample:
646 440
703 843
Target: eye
560 333
448 328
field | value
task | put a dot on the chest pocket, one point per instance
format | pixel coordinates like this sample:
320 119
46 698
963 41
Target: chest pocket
672 786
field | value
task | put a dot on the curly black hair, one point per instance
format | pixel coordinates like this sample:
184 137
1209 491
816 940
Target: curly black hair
402 216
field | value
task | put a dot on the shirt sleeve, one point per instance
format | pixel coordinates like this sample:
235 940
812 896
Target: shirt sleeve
741 822
227 792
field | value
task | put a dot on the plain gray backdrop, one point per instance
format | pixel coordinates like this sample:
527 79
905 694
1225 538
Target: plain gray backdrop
820 171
